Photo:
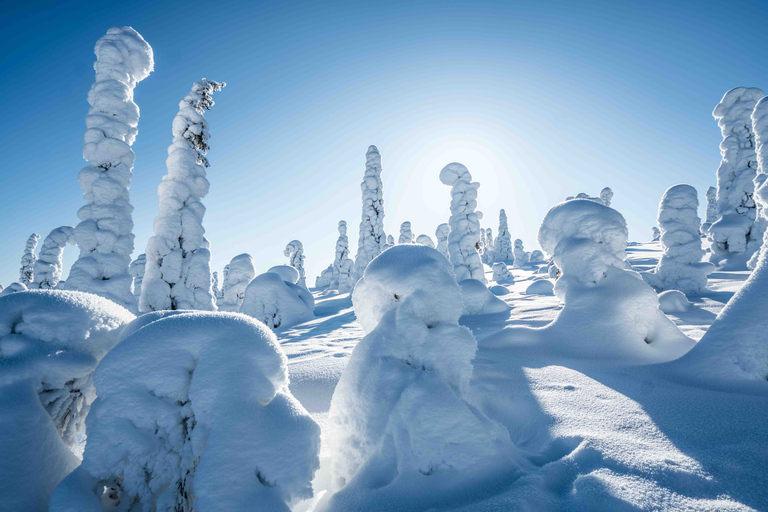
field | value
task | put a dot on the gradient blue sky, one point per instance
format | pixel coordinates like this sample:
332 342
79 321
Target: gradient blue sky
540 100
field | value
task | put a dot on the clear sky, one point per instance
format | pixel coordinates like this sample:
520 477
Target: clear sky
541 100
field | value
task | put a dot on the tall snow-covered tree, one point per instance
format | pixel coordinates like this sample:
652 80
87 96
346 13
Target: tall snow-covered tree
490 247
178 274
711 210
27 270
343 266
372 238
215 286
237 275
295 253
465 223
731 233
760 126
441 233
105 233
138 267
49 265
606 195
521 257
406 235
503 247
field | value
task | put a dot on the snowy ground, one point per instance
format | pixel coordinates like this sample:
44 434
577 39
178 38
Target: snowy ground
597 437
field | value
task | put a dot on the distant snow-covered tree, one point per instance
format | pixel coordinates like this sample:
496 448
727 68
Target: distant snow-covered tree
28 259
711 210
406 235
521 257
295 253
606 195
215 286
372 238
536 257
343 266
503 246
441 233
501 272
105 233
426 241
465 223
138 267
49 265
655 233
760 126
178 272
237 275
489 254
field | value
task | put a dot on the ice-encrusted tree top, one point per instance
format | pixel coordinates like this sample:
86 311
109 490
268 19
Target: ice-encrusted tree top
105 233
49 265
371 238
28 259
178 272
503 246
465 223
606 195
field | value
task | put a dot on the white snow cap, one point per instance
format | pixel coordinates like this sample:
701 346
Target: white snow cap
49 265
503 247
178 274
536 257
465 223
237 275
441 233
27 271
426 241
277 303
606 195
286 273
105 233
211 421
372 238
489 253
13 288
406 235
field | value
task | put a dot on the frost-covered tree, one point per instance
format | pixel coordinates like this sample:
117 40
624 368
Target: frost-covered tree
105 233
441 233
28 259
426 241
735 177
390 240
49 265
138 266
711 210
295 253
406 235
503 246
490 252
501 272
760 126
237 275
521 257
606 195
680 266
465 223
276 302
536 257
215 286
343 266
324 279
655 233
178 274
372 238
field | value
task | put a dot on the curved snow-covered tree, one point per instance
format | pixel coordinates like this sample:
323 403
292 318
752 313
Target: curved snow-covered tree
343 266
406 235
28 259
178 274
503 246
426 241
372 239
606 195
138 266
711 210
680 266
760 126
237 275
731 232
465 223
521 257
441 233
295 253
49 265
105 233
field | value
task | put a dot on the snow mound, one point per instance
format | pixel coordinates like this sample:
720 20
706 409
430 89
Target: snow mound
50 344
540 287
286 273
478 299
13 288
277 303
210 421
674 301
399 415
498 290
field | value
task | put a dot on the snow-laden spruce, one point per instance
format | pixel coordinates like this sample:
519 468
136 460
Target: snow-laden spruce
426 241
105 233
731 233
276 302
14 287
441 233
503 245
237 275
137 268
325 277
536 256
400 415
49 265
501 273
609 312
371 239
215 286
760 126
465 223
680 266
343 266
655 233
28 259
194 413
521 257
606 196
178 273
711 210
50 343
406 235
294 251
489 253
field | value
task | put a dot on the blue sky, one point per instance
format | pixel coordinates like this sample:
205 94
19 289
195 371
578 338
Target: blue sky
540 100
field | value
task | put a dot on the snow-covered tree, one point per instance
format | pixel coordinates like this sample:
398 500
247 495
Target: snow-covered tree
441 233
105 233
503 246
606 195
237 275
655 233
215 286
372 238
711 210
760 126
521 257
276 302
735 178
501 272
49 265
406 235
28 259
680 266
464 222
295 253
178 274
325 277
138 266
194 413
489 254
426 241
343 266
536 257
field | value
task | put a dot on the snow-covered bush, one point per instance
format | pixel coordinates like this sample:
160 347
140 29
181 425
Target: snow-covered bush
137 273
760 125
372 238
465 223
105 233
540 287
479 300
294 251
680 266
606 195
536 257
28 259
711 210
49 265
674 301
501 272
735 186
390 240
441 233
503 246
521 257
237 275
178 274
210 426
406 235
50 344
400 411
286 272
13 288
426 241
655 233
343 266
277 303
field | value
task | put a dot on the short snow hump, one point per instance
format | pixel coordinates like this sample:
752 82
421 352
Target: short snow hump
194 413
279 304
401 429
